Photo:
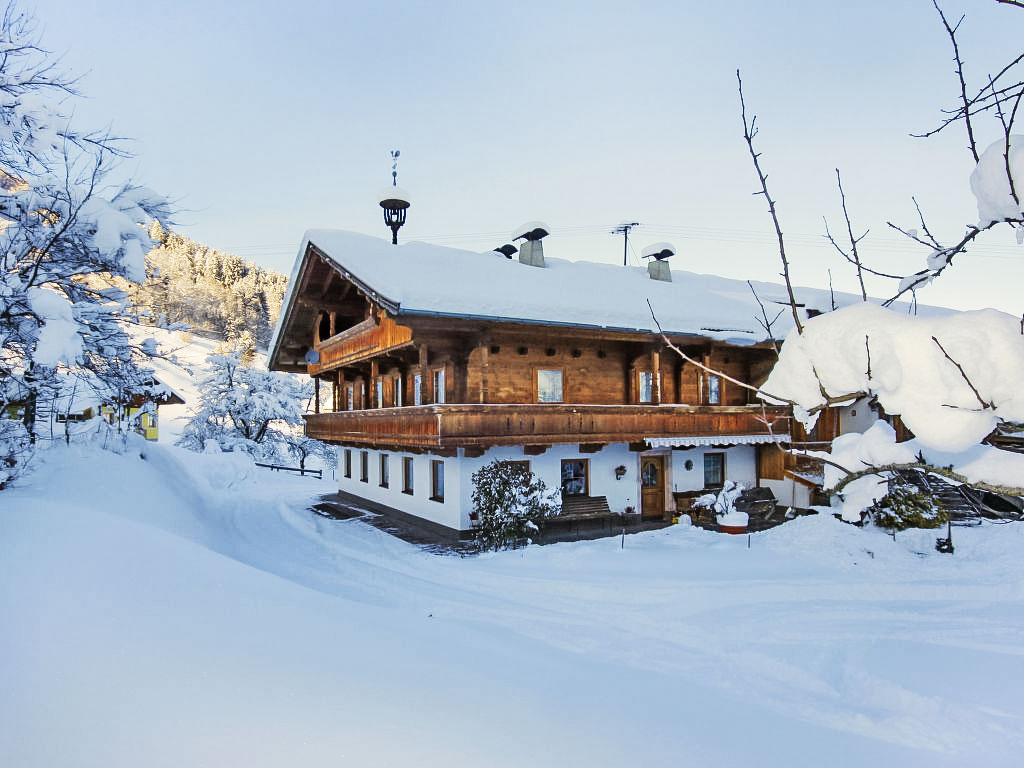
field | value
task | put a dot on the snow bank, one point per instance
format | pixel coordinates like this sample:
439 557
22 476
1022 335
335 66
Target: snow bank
261 634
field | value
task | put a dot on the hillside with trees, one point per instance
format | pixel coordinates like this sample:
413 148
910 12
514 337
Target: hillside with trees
214 293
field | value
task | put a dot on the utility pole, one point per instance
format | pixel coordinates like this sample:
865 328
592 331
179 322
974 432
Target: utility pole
623 229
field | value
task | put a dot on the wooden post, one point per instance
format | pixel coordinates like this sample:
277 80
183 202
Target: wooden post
656 376
484 362
426 385
374 375
316 394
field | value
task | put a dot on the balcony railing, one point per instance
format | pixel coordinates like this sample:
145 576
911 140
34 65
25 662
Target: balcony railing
362 341
485 425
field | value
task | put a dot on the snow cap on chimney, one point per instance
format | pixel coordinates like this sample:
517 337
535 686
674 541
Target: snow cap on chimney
532 250
657 267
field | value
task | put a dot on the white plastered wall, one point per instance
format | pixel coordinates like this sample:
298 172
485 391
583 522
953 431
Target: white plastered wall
453 512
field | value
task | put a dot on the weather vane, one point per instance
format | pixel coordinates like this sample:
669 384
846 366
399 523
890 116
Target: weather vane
394 167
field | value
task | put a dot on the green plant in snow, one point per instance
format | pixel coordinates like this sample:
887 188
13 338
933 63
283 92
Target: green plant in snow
905 506
509 503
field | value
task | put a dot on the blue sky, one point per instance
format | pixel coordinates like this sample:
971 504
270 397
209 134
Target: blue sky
264 119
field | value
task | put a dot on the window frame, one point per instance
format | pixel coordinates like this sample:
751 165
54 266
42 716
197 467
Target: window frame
408 484
396 391
586 476
438 377
640 376
713 394
721 456
536 383
437 480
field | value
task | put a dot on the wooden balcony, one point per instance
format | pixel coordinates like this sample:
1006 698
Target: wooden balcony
360 342
440 427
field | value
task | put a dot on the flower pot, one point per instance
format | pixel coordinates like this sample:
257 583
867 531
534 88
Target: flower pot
734 529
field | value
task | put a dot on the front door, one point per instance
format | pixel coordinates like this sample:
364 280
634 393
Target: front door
652 486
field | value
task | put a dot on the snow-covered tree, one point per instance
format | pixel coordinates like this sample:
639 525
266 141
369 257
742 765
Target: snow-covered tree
247 409
67 230
952 379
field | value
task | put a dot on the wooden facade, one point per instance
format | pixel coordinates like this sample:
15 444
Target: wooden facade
422 381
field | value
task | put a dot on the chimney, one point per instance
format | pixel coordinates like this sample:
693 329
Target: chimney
532 250
657 267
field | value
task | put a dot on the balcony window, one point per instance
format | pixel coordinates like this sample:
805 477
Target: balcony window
383 470
407 486
549 385
714 390
437 481
417 389
439 385
380 393
350 397
396 384
574 477
646 387
714 470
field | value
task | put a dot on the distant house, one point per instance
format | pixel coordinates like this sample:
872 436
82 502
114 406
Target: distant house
440 360
77 404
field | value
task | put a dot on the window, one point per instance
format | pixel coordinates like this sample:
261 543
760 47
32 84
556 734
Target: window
524 465
574 477
407 474
383 470
350 399
364 466
348 462
646 387
417 390
549 385
396 394
380 393
439 385
649 475
714 390
437 481
714 470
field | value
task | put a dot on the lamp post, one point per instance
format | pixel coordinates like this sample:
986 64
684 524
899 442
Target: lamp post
394 202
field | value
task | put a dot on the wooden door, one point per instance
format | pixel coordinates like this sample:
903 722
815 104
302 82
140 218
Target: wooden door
652 486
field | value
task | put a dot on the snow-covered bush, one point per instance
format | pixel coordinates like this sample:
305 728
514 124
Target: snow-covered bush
906 506
509 503
724 504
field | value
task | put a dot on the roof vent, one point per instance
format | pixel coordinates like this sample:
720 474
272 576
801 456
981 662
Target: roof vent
657 267
531 251
506 250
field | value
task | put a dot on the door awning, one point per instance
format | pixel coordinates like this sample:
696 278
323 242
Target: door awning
694 441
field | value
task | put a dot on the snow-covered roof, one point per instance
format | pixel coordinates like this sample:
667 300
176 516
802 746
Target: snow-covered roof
424 279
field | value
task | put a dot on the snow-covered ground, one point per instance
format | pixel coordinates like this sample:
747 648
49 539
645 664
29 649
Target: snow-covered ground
189 609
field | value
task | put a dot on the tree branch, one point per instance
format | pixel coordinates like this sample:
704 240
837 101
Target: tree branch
749 131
